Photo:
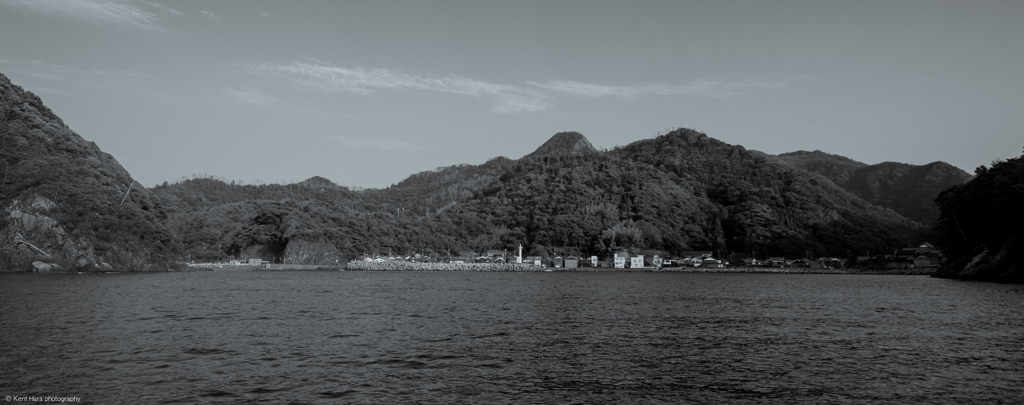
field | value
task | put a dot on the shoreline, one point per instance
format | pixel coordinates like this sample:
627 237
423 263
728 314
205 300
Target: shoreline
512 267
492 268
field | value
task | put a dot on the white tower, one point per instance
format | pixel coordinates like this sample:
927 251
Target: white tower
520 258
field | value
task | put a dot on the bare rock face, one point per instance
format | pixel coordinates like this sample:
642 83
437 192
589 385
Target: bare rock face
301 251
33 234
61 196
41 267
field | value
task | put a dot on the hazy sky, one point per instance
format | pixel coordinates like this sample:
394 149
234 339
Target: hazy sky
367 93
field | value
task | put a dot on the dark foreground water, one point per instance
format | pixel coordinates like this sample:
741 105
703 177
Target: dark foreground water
330 337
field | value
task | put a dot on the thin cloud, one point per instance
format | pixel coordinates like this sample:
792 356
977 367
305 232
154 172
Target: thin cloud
252 96
382 144
54 71
209 15
506 98
47 90
43 75
165 9
718 88
100 12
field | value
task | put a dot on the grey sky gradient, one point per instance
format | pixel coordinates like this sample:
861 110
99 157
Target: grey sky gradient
366 93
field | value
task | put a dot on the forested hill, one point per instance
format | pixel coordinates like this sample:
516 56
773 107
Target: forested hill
768 207
837 168
678 192
980 225
66 197
681 191
910 190
434 189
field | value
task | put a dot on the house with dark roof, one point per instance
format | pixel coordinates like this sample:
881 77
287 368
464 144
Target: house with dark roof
495 254
710 262
620 258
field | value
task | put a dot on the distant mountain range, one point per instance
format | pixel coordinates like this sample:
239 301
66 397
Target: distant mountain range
678 192
910 190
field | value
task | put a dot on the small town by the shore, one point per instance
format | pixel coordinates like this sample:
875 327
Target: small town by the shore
923 259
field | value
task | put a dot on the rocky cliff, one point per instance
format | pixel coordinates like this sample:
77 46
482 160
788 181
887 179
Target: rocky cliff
63 201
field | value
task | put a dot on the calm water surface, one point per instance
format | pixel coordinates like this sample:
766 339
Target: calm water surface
329 337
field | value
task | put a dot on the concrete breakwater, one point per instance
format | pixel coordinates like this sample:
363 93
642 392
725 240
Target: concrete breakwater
301 267
772 270
414 266
514 267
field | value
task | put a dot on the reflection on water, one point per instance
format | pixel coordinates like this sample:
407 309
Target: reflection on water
327 337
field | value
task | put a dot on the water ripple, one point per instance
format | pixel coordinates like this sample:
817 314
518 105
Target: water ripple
364 337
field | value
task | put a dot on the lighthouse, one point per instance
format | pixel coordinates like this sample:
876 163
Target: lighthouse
520 258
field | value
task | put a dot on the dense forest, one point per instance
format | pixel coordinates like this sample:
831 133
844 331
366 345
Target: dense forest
980 224
910 190
68 198
678 192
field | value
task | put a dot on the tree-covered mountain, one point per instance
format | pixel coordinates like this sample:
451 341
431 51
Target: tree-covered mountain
768 207
910 190
678 192
907 189
980 225
837 168
66 197
434 189
565 144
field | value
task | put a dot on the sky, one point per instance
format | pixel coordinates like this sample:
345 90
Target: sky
367 93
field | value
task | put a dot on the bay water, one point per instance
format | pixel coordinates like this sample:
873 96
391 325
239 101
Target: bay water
444 337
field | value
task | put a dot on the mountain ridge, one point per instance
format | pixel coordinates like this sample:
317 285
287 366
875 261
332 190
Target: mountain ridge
676 192
673 193
905 188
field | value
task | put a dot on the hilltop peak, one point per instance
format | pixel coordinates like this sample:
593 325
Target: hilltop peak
565 143
317 181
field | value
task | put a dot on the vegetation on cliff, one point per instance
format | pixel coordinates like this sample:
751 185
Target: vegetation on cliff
64 195
980 224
